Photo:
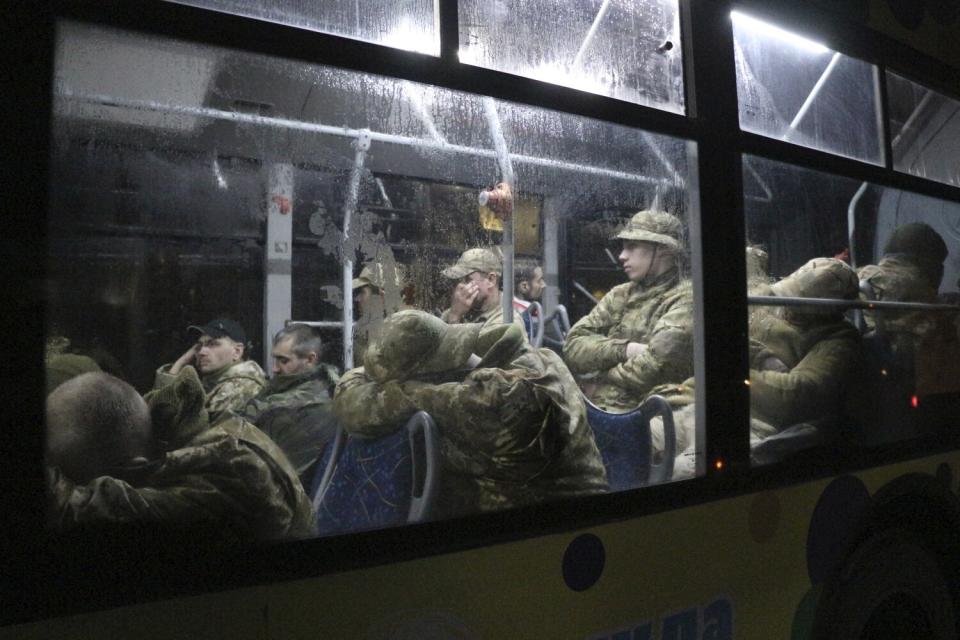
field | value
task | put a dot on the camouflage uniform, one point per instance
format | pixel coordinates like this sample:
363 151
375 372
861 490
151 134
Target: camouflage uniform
228 474
657 312
513 430
227 389
484 261
294 410
817 348
387 282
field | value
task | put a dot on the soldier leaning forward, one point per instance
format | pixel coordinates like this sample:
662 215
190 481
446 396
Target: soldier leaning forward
175 468
513 429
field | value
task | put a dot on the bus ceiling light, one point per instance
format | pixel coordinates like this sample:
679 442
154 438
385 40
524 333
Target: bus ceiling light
914 401
771 31
718 464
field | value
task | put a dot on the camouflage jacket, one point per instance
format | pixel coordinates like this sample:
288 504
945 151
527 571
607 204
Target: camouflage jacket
489 318
820 355
513 432
895 277
228 474
295 412
228 388
367 329
658 315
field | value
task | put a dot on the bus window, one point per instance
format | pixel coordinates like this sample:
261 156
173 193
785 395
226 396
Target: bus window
833 358
406 24
626 50
264 194
795 89
925 129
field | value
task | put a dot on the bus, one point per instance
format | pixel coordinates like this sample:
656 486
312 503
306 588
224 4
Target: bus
180 161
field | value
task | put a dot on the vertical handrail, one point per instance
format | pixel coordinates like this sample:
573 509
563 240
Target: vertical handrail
506 171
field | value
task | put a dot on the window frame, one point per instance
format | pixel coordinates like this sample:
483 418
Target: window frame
717 230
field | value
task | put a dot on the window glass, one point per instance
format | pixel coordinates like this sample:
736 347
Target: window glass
794 89
825 374
628 50
194 216
405 24
926 130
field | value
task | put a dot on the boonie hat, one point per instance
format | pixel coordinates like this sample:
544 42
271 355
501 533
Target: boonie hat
374 274
477 259
221 327
651 225
820 278
415 343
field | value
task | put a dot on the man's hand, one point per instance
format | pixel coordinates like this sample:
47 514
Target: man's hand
187 358
464 295
635 349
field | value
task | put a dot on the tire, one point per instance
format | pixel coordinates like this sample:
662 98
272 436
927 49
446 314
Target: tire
890 587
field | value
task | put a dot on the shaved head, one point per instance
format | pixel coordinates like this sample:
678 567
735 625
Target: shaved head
96 423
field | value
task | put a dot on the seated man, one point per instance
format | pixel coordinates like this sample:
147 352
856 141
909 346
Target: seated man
378 292
513 430
294 408
475 298
803 357
229 380
640 335
528 284
115 458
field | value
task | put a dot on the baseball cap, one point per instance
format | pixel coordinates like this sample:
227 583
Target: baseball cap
476 259
220 327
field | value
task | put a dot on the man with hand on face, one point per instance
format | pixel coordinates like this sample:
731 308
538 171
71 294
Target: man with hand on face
639 337
218 356
294 408
476 293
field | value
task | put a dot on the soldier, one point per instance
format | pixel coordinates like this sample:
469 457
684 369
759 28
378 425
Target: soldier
219 357
378 292
114 457
513 430
802 358
294 408
640 335
476 290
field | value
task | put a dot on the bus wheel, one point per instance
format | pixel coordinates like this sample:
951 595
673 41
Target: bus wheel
891 587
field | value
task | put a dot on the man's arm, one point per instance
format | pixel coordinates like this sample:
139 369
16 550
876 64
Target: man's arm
587 348
370 409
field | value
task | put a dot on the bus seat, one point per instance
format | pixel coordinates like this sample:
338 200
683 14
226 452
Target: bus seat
556 327
373 484
626 446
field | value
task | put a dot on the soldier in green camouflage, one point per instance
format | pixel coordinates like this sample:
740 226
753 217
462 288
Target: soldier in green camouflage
294 409
512 427
640 335
378 293
115 458
475 297
218 356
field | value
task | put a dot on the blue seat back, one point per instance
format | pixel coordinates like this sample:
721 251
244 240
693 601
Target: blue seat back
626 446
373 484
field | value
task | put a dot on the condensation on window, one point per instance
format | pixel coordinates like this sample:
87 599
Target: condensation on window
404 24
628 50
193 183
848 374
795 89
924 129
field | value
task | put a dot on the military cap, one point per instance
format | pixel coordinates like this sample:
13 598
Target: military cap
374 274
820 278
477 259
220 327
651 225
416 343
